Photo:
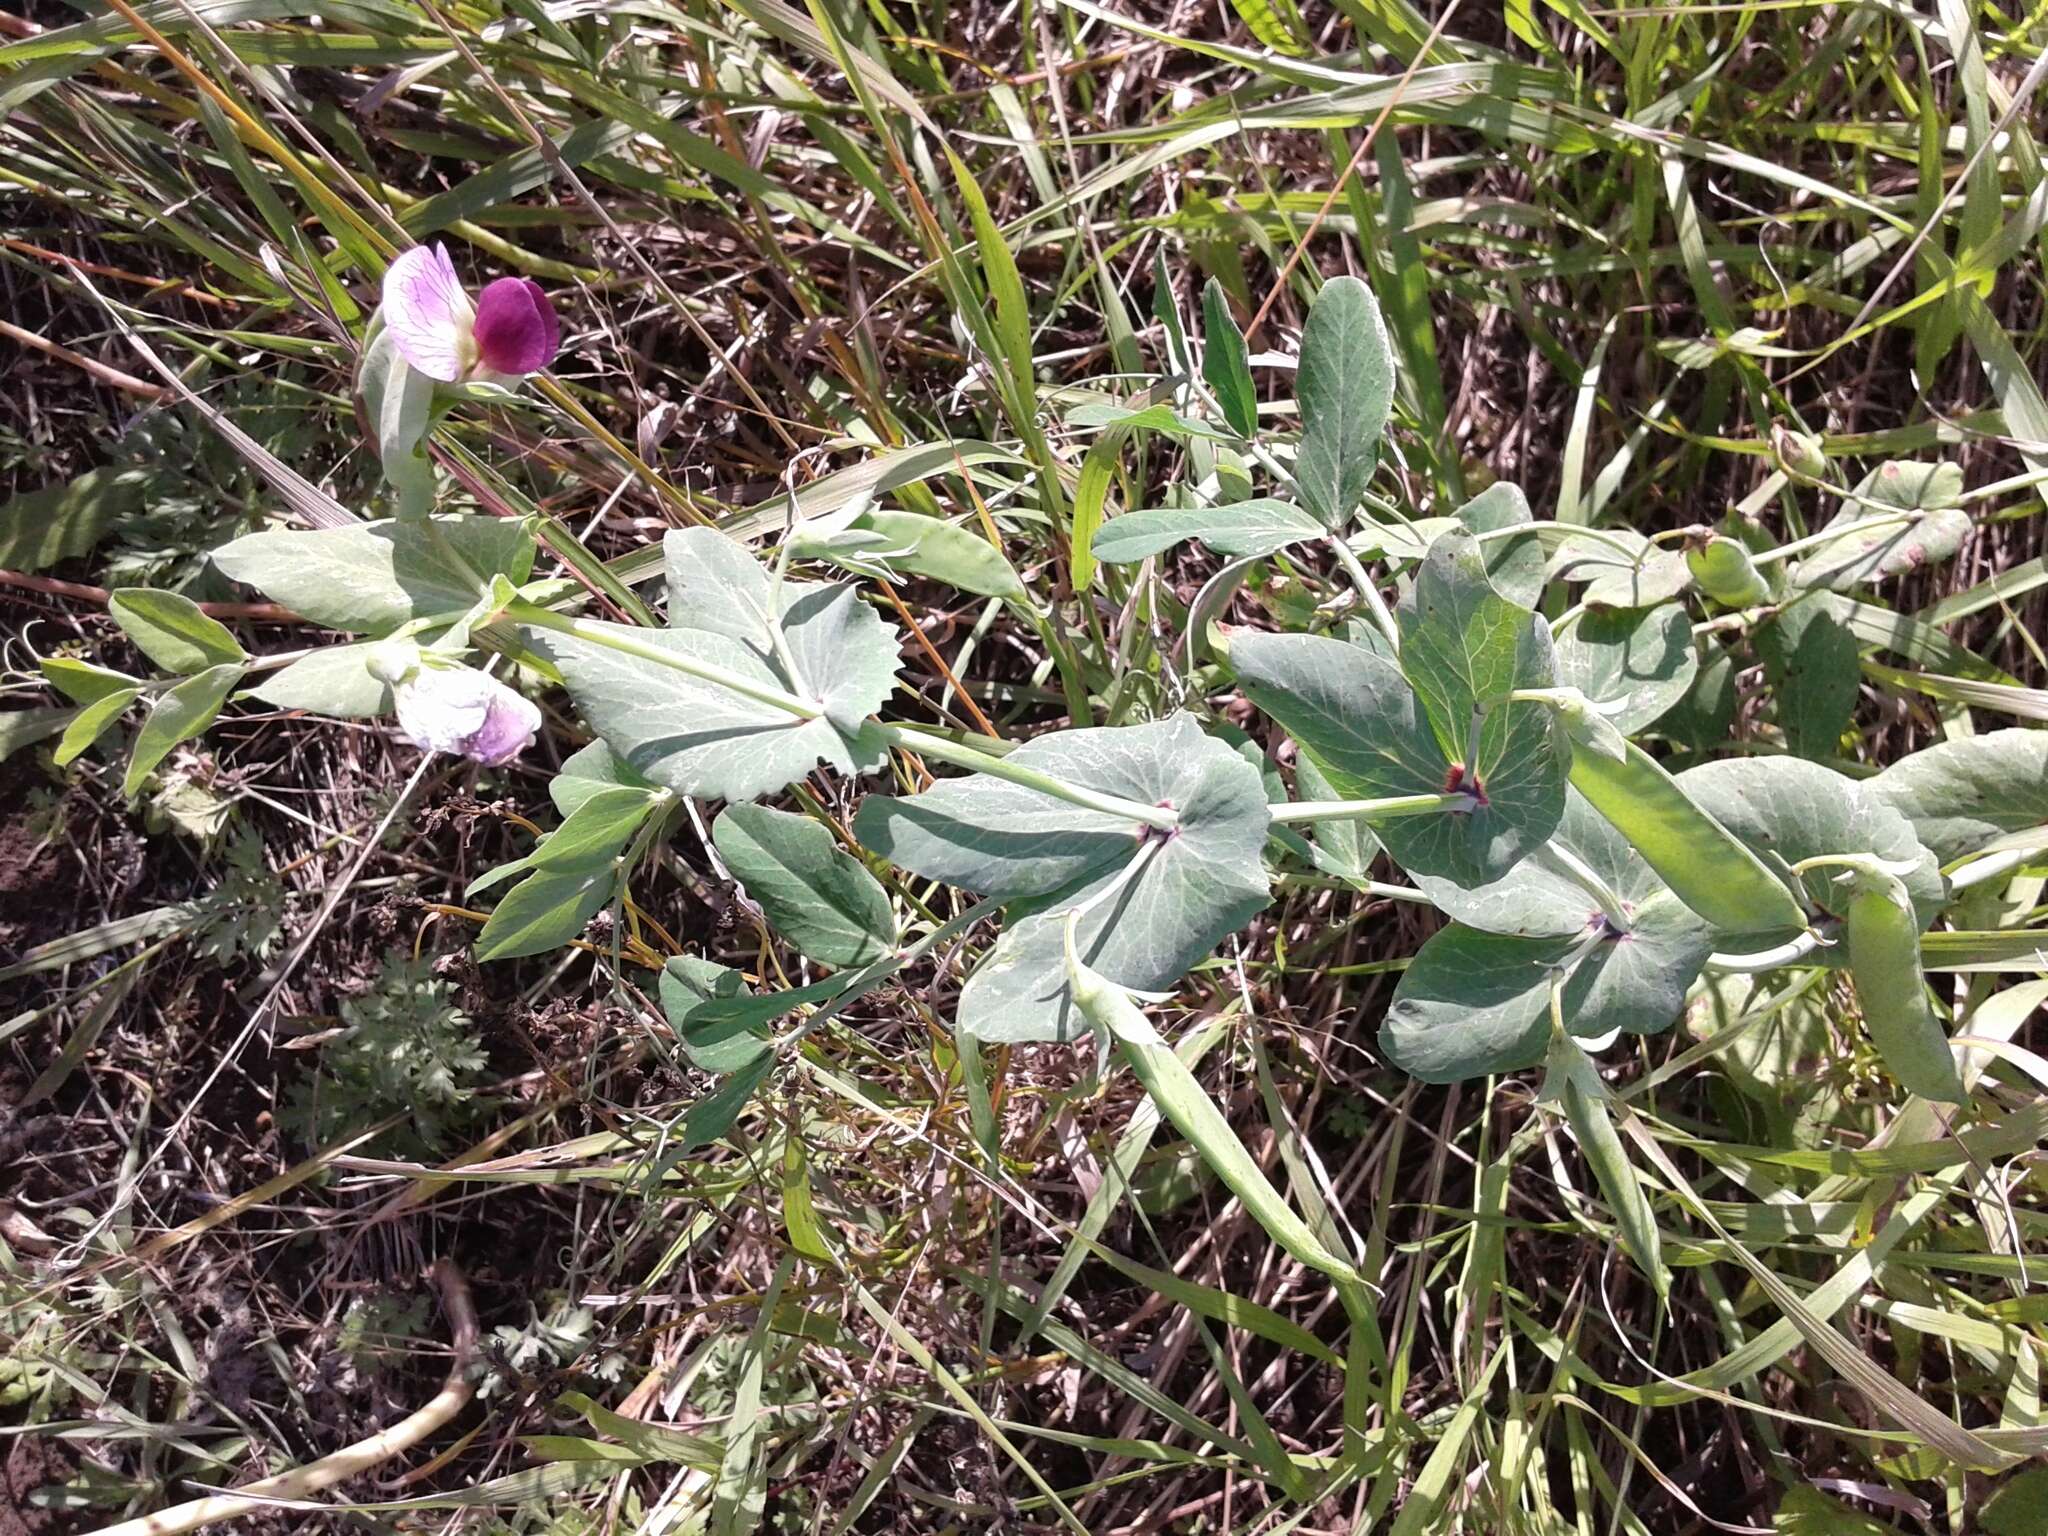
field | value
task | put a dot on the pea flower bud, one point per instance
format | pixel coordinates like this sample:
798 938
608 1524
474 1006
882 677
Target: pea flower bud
450 708
508 331
1798 453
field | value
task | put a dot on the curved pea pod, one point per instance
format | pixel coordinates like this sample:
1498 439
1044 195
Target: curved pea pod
1572 1080
1884 964
1694 854
1722 569
1184 1101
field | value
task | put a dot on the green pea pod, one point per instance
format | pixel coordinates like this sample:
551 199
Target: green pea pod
1187 1104
1583 1098
1694 854
1723 570
1884 964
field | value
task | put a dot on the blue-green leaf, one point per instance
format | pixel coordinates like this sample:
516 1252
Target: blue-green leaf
178 715
1870 546
1539 898
814 893
1961 793
1639 663
1515 565
1226 367
589 769
889 543
1464 647
399 401
1255 527
371 578
172 631
1196 883
689 988
333 680
1350 709
1811 660
545 911
1785 809
1472 1003
704 740
82 682
1345 389
91 722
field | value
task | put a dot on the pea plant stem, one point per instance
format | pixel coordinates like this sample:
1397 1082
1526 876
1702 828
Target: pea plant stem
770 621
930 744
1571 533
1568 618
1377 888
1583 875
278 659
1368 810
626 644
1470 767
1111 891
1986 867
1722 623
1567 533
1368 590
1855 498
1998 488
1789 953
1990 866
1859 863
155 685
1066 665
1830 535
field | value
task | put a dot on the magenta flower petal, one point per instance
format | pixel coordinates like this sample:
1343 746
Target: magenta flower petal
516 330
427 312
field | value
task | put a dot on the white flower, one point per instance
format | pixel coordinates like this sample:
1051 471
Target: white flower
459 709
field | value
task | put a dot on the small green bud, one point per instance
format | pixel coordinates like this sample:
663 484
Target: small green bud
1799 454
1723 570
393 661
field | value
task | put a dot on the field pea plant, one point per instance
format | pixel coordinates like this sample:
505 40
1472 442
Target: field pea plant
1510 719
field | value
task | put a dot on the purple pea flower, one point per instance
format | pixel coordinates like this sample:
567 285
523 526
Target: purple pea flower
461 710
516 331
510 330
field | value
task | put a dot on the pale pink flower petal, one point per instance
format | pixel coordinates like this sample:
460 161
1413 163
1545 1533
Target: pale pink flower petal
516 330
507 731
464 711
428 314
